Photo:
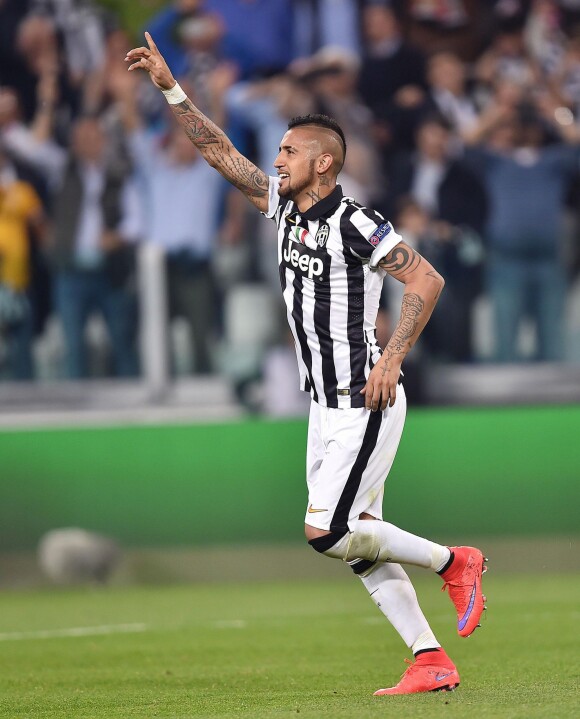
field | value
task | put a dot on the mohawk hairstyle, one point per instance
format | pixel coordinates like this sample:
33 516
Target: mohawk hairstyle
319 121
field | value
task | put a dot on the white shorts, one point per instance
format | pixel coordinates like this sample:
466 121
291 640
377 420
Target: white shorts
350 453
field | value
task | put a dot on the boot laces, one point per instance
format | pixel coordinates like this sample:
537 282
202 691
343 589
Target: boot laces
410 669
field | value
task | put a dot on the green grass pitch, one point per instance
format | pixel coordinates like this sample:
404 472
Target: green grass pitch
309 649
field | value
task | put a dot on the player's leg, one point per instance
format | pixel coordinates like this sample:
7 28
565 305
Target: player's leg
359 450
330 451
348 478
390 588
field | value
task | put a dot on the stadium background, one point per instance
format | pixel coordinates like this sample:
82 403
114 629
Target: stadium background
240 483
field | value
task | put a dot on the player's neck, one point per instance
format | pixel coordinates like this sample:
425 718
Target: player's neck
309 197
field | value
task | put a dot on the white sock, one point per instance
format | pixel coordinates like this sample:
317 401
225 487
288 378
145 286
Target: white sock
444 559
425 641
391 590
381 541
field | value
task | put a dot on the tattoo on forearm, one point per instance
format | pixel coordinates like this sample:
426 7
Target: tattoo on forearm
404 335
219 152
401 261
199 128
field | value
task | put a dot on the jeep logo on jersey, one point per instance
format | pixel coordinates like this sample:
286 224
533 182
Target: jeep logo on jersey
306 262
322 234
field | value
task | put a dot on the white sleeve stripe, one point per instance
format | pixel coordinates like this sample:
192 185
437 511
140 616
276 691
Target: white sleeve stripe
383 248
273 196
372 214
363 224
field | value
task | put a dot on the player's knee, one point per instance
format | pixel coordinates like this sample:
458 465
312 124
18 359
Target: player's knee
313 532
363 567
333 544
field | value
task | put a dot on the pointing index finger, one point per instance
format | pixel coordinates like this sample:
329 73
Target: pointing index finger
150 41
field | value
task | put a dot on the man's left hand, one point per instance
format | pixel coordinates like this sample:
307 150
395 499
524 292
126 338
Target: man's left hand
381 386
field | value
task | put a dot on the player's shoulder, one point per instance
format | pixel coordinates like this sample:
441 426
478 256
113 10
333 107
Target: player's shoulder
350 202
356 215
353 205
362 228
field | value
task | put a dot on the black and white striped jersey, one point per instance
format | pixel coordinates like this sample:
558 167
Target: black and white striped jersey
328 260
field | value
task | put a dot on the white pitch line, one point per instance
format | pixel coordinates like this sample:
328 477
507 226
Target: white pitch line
73 632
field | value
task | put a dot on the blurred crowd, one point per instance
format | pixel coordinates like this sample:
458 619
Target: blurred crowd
463 124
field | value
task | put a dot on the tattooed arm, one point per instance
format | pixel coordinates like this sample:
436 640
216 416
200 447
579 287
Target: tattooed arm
213 144
423 285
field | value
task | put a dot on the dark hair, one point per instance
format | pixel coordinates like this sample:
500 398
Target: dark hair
319 121
435 118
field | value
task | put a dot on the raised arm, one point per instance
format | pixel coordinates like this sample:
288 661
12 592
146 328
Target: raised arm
214 145
423 285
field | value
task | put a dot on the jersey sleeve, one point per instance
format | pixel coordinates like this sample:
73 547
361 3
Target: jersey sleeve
275 202
369 236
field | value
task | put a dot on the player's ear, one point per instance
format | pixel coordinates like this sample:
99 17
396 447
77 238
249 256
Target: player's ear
324 163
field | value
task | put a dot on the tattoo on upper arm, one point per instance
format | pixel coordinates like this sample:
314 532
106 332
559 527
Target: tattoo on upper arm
401 261
217 149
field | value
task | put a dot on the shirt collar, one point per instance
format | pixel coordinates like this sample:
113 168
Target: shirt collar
324 206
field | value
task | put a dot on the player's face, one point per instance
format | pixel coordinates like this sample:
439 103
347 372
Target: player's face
296 162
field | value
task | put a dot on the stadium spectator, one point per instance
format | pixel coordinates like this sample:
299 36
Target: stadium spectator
182 19
201 38
545 36
564 81
79 26
171 171
39 45
456 26
257 34
527 184
33 144
392 80
94 215
448 91
508 57
459 251
13 72
453 201
21 214
319 23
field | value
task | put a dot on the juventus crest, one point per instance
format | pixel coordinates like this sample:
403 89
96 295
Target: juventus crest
322 234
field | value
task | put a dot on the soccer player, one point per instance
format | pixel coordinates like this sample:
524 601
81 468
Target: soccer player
333 255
